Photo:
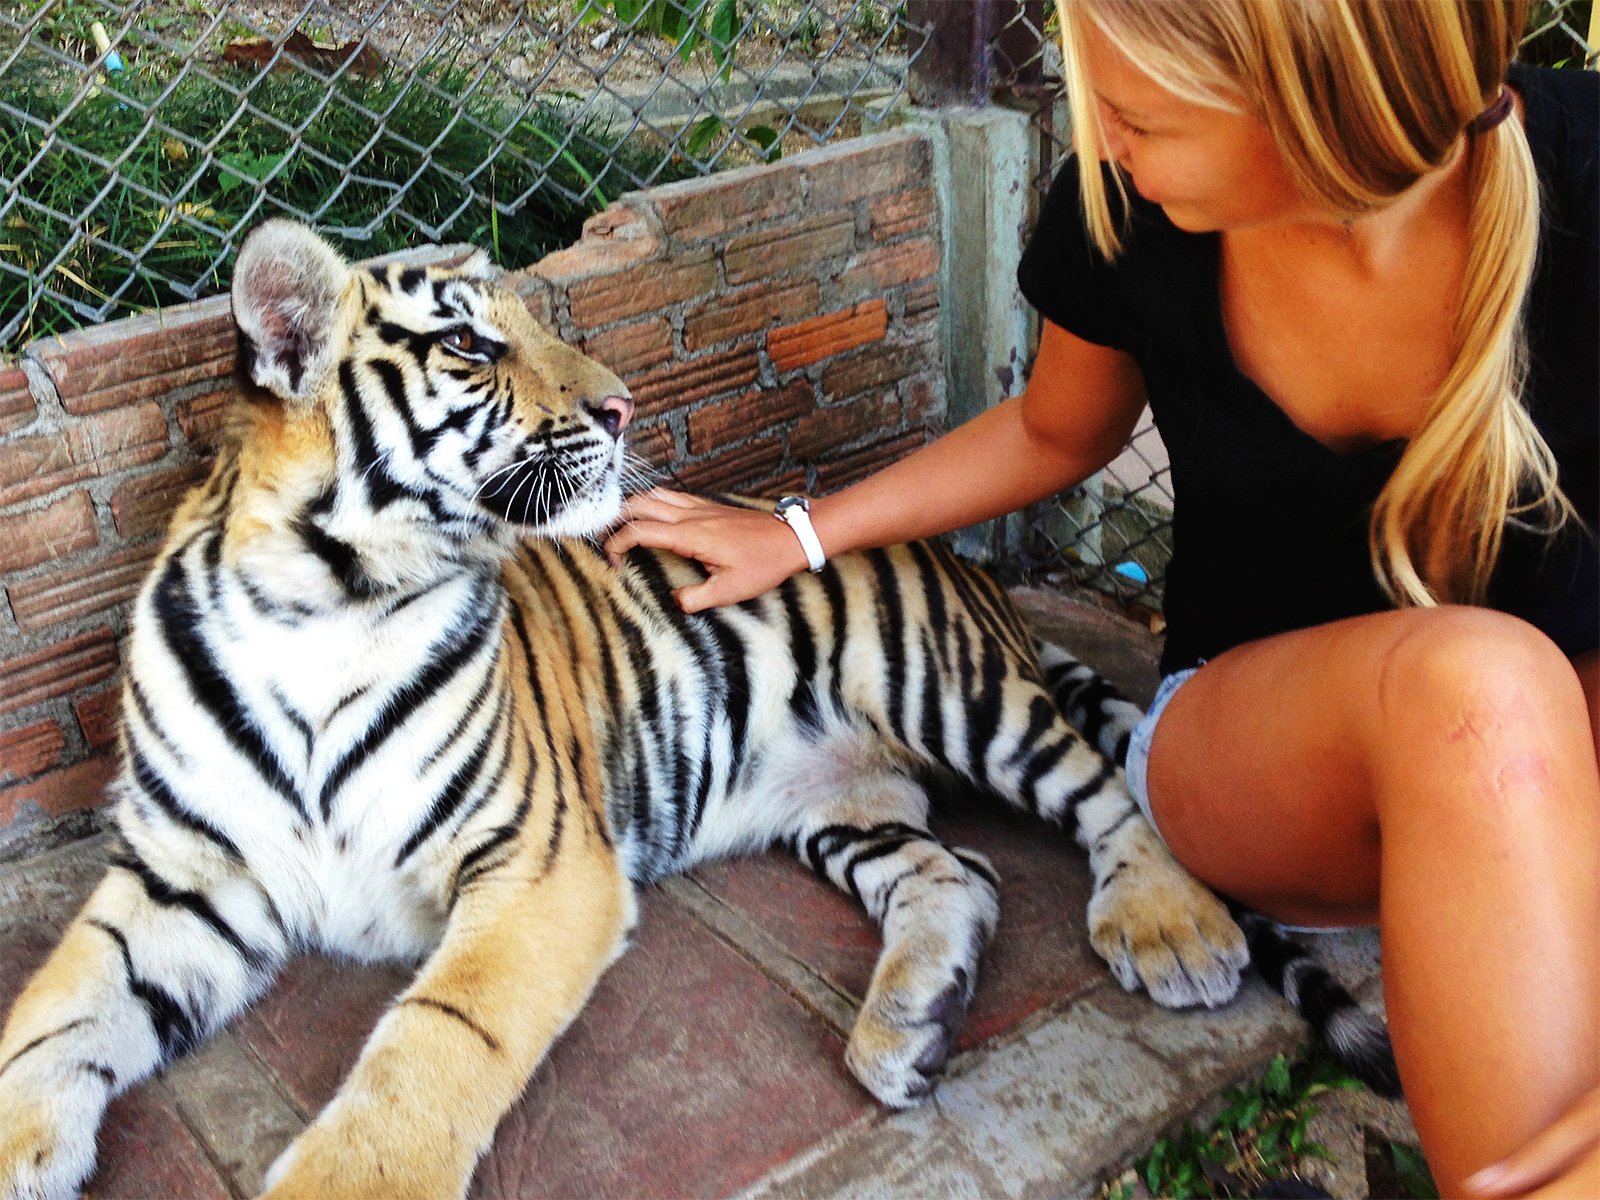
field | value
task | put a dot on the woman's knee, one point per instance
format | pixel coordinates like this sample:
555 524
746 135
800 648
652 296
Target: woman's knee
1443 660
1471 688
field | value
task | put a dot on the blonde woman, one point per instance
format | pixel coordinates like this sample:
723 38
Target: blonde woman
1347 254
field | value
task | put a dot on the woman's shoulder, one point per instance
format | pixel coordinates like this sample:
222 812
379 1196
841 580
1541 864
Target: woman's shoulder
1070 282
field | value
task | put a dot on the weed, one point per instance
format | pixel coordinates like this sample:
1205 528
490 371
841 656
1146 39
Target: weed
1260 1134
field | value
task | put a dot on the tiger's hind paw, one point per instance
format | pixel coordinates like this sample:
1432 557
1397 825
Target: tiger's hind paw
1161 929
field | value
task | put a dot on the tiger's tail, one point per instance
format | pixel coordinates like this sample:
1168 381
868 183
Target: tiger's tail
1358 1039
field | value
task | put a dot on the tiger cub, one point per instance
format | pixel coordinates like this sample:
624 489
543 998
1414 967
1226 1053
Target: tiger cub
385 697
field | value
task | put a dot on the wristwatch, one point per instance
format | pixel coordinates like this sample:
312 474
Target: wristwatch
795 512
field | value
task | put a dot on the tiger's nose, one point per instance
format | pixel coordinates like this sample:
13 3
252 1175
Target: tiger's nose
613 413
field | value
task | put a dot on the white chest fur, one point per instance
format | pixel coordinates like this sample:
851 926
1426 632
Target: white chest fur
336 763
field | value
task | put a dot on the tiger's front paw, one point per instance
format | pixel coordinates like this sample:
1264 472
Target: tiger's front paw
1160 928
42 1155
325 1162
917 1002
903 1037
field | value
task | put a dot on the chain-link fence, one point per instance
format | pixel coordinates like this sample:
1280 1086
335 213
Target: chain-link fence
1114 533
138 141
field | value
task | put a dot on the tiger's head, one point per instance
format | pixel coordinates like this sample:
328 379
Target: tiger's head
442 401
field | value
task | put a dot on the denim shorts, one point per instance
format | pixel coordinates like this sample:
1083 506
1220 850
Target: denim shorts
1137 768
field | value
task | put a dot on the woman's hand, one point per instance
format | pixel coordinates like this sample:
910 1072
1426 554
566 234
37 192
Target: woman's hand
747 551
1565 1154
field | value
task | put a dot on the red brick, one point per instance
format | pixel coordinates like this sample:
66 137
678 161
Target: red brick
853 170
872 369
1039 959
681 384
99 716
120 363
17 408
697 209
788 248
537 294
727 421
69 789
58 670
799 345
217 374
889 267
310 1027
902 213
644 289
654 445
735 470
720 1077
844 469
60 528
924 403
838 425
921 302
787 483
143 505
31 749
734 314
619 237
97 446
145 1149
73 592
201 418
629 349
151 335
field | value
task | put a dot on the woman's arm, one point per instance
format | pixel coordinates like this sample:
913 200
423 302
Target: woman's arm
1078 410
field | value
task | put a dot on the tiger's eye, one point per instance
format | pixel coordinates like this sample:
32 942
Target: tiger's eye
460 340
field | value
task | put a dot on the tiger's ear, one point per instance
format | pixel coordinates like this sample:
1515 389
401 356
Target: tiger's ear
287 287
478 266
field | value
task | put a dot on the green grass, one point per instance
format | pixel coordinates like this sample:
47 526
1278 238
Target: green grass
379 165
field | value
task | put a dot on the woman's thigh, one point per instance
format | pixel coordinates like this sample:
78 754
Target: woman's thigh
1265 769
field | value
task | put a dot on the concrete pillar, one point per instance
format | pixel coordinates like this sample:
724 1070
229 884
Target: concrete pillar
983 164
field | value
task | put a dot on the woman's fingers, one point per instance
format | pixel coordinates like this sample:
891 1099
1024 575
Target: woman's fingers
1557 1148
657 505
654 533
745 552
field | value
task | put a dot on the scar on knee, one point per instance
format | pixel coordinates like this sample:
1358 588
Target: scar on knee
1523 772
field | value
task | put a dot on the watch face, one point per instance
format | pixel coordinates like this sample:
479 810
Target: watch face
789 502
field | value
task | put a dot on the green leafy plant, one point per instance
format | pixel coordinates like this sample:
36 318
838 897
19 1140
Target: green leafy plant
708 129
688 24
1259 1134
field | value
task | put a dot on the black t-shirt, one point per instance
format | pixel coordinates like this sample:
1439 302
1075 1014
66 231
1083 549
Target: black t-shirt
1270 525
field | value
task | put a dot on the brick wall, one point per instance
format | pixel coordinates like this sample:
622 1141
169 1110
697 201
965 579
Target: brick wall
778 326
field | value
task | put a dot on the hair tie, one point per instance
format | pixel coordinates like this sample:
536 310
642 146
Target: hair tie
1497 111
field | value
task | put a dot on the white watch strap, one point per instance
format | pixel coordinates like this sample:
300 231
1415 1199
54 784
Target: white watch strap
795 512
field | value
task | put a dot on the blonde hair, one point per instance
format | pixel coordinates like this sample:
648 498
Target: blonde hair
1363 98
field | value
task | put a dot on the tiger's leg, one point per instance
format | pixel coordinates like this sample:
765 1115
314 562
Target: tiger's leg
161 956
936 907
1153 922
525 942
